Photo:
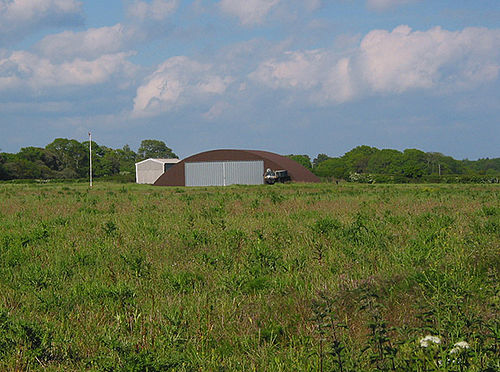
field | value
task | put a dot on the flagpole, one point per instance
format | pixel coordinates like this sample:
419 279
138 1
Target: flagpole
90 158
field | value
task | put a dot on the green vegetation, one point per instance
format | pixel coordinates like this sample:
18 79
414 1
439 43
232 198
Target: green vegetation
303 160
154 149
69 159
283 278
368 165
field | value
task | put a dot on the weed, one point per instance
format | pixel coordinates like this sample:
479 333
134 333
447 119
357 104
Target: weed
110 228
382 353
330 332
137 263
184 281
276 198
294 277
325 226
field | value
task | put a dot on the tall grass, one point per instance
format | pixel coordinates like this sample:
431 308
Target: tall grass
281 278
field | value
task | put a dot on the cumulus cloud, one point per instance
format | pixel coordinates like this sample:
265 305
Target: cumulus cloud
150 19
401 60
249 12
318 72
177 82
388 62
25 70
88 44
156 10
296 70
19 18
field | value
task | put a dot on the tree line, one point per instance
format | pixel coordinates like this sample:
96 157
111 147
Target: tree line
370 164
69 159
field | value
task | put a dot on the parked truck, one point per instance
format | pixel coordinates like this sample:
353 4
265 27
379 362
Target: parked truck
271 177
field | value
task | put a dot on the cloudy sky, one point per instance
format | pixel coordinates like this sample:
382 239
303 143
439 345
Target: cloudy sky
288 76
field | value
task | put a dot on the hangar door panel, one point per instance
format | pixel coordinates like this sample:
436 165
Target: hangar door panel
223 173
204 174
244 172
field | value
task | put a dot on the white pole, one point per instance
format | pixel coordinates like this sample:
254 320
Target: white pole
90 158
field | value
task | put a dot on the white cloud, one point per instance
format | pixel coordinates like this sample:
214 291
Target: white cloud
88 44
156 10
217 110
297 70
249 12
401 60
24 70
388 62
20 17
324 77
27 10
177 82
253 12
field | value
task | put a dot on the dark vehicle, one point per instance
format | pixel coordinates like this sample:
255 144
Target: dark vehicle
271 177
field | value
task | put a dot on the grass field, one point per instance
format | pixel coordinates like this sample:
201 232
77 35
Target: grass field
278 278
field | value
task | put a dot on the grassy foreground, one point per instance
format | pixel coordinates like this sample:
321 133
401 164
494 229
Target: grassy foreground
277 278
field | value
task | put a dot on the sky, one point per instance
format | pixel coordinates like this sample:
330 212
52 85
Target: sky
287 76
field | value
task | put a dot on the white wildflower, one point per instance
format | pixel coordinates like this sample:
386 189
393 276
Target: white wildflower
428 340
459 346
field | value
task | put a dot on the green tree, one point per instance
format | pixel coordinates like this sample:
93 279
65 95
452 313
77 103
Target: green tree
111 162
3 172
320 158
155 149
43 158
414 163
357 159
437 161
72 156
28 163
127 159
98 154
23 169
31 153
385 161
332 167
303 160
482 166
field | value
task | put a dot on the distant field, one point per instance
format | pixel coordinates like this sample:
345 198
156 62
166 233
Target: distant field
267 278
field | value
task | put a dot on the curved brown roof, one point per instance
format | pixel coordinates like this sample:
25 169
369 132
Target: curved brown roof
175 176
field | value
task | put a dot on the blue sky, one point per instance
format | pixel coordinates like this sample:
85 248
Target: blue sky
288 76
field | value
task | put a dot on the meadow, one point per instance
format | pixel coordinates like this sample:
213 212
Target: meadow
287 277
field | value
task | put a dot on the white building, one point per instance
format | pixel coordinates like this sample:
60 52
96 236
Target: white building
148 171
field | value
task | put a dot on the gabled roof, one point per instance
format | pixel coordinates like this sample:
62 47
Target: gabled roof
169 161
161 161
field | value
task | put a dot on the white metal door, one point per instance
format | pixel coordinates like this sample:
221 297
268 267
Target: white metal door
224 173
